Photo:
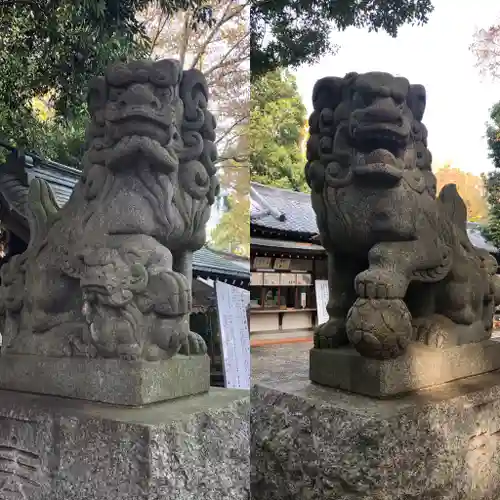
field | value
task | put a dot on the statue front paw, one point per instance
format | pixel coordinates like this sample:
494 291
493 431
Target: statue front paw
193 344
331 334
380 284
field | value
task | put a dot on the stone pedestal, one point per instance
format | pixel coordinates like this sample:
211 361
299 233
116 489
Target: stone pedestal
317 443
195 448
116 381
421 366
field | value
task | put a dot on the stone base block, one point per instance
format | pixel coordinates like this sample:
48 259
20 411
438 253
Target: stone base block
421 366
194 448
132 383
317 443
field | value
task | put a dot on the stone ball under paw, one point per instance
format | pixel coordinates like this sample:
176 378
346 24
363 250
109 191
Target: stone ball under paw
379 328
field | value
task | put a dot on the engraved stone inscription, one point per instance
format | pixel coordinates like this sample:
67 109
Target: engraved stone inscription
21 472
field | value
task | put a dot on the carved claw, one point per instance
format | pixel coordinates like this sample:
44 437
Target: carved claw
439 331
380 284
331 334
79 348
434 331
193 344
435 338
129 352
431 332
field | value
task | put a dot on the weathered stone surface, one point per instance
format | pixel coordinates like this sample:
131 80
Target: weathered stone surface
116 381
109 274
194 448
421 366
401 266
317 443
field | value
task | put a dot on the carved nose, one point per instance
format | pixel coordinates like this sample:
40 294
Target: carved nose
139 95
382 111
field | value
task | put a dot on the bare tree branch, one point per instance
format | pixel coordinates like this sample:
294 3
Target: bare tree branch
240 160
226 16
185 39
223 60
231 128
159 29
221 53
486 48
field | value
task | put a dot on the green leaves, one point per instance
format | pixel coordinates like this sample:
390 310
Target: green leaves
276 132
59 45
492 179
287 33
232 233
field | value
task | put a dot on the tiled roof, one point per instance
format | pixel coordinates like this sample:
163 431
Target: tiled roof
286 244
296 207
62 179
210 262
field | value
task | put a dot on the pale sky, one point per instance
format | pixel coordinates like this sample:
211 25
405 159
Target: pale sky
436 55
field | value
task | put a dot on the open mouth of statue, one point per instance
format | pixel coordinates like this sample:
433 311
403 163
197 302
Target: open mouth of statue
142 126
133 150
368 138
382 151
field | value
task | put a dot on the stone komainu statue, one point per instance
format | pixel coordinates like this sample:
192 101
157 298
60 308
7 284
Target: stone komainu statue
401 266
109 274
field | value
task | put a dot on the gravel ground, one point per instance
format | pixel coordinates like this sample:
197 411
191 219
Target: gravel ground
276 363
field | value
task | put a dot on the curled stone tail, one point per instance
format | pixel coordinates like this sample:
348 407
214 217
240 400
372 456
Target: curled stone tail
42 210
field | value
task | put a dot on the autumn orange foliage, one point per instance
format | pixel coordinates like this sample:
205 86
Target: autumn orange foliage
470 188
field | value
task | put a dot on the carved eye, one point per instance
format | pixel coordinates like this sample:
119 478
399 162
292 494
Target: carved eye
398 97
363 99
166 94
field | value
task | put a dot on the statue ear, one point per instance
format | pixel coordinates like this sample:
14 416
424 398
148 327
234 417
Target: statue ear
417 98
97 94
327 93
